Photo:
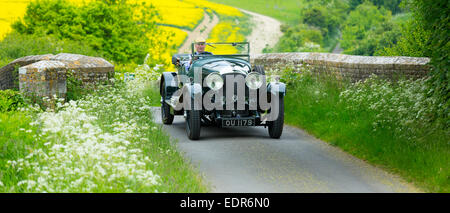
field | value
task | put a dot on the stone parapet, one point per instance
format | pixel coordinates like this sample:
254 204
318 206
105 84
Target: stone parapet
349 66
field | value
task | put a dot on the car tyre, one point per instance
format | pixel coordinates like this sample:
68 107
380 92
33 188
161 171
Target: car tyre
276 126
166 117
193 124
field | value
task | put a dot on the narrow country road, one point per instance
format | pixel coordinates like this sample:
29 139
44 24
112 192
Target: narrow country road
338 49
266 32
237 160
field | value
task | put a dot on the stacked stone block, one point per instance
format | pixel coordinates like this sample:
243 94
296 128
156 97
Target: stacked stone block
9 77
43 78
46 75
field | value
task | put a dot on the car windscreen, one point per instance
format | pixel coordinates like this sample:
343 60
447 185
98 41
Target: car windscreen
227 66
227 48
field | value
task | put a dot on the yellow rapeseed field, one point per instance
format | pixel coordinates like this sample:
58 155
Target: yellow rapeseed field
9 12
225 31
178 13
4 28
177 37
218 8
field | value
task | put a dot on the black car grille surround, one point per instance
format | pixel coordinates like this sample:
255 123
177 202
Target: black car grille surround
239 78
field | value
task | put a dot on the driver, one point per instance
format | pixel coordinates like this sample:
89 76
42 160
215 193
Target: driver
200 44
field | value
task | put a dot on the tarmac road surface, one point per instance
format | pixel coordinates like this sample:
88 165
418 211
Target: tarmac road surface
246 159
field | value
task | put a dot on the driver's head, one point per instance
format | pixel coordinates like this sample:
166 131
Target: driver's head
200 44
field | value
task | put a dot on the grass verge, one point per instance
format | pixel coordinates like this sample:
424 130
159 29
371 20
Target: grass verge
386 124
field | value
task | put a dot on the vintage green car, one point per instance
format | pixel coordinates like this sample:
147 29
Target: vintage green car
221 90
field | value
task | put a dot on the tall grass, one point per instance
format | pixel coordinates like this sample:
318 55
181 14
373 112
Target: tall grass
17 140
385 123
103 142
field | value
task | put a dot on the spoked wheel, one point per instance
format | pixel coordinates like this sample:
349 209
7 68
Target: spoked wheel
193 124
276 126
166 117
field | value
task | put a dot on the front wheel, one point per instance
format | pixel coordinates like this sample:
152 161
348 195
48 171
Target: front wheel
193 124
276 126
166 117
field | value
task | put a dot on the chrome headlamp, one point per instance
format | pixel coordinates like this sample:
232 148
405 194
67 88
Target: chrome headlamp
214 81
254 80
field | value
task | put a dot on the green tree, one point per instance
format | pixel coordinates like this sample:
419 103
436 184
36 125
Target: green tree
318 28
300 38
433 17
392 5
364 28
318 16
412 42
327 16
427 35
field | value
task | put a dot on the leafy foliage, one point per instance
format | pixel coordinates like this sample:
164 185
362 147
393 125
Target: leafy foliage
317 29
434 18
295 38
365 29
16 45
10 100
317 16
392 5
427 35
412 42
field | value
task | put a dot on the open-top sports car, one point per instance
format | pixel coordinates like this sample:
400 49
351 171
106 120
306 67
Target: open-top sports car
221 89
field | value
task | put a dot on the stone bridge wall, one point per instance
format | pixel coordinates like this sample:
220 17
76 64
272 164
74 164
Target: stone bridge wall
348 66
9 76
46 75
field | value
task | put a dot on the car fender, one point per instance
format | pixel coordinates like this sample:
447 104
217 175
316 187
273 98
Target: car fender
276 87
171 84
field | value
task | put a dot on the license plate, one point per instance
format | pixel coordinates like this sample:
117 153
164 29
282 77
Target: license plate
238 122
